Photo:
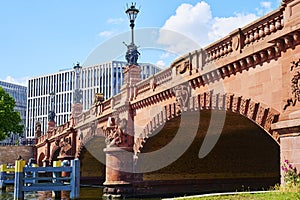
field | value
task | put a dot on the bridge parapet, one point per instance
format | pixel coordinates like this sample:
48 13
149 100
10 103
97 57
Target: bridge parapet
251 45
53 133
263 27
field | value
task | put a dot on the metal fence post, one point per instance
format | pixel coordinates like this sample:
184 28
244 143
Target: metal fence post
2 177
34 174
56 194
75 179
19 182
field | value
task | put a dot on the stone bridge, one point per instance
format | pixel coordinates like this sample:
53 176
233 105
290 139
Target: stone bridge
219 118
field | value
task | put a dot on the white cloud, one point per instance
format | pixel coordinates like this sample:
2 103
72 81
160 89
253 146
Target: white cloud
18 81
165 55
191 21
265 7
106 33
197 23
160 63
224 25
266 4
115 20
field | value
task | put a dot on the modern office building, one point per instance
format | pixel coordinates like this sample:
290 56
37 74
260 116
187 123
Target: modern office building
106 78
19 93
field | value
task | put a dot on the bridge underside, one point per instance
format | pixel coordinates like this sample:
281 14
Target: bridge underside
91 158
245 157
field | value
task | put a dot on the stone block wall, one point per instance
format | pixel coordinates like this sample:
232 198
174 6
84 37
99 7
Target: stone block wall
8 154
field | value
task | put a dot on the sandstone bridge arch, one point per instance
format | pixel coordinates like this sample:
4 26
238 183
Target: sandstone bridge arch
259 167
259 113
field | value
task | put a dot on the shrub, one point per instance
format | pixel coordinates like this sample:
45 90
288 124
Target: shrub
291 177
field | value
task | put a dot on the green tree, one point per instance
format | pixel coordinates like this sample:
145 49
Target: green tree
10 120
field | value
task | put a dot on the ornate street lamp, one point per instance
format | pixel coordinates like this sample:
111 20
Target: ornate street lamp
77 96
51 115
132 14
132 52
77 69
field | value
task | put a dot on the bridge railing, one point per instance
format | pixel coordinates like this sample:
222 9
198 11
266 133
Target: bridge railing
32 179
7 176
245 36
263 26
156 80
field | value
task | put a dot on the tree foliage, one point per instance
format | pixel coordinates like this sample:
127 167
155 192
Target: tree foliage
10 120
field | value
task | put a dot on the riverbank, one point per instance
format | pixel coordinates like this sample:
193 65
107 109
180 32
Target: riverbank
276 193
272 195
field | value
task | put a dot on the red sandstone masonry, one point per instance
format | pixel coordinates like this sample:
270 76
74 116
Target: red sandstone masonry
9 154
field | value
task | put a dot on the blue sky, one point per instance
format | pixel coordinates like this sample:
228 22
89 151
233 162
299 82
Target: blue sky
39 37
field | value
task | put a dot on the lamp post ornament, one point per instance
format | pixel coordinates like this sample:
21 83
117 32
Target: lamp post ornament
132 53
77 95
51 115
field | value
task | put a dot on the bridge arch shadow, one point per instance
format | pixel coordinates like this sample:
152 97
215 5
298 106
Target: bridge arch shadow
41 159
92 160
246 156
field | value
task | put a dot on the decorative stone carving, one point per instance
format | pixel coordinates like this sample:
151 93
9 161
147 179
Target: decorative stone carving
288 41
182 67
260 115
153 84
115 132
93 128
235 42
295 86
182 93
295 64
98 98
296 37
65 147
243 106
38 129
256 58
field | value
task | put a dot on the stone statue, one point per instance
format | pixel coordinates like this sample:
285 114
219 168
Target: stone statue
38 129
51 116
132 54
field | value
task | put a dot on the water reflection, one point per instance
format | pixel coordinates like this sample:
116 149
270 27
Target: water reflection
85 193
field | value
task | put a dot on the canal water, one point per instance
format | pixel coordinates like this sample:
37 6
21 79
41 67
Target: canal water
85 193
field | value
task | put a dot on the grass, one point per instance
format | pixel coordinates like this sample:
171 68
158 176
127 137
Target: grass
259 196
276 193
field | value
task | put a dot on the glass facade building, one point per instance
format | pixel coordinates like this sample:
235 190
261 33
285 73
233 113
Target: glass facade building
106 78
19 93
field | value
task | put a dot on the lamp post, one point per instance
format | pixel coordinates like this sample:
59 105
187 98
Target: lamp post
132 52
51 114
77 98
77 69
132 14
